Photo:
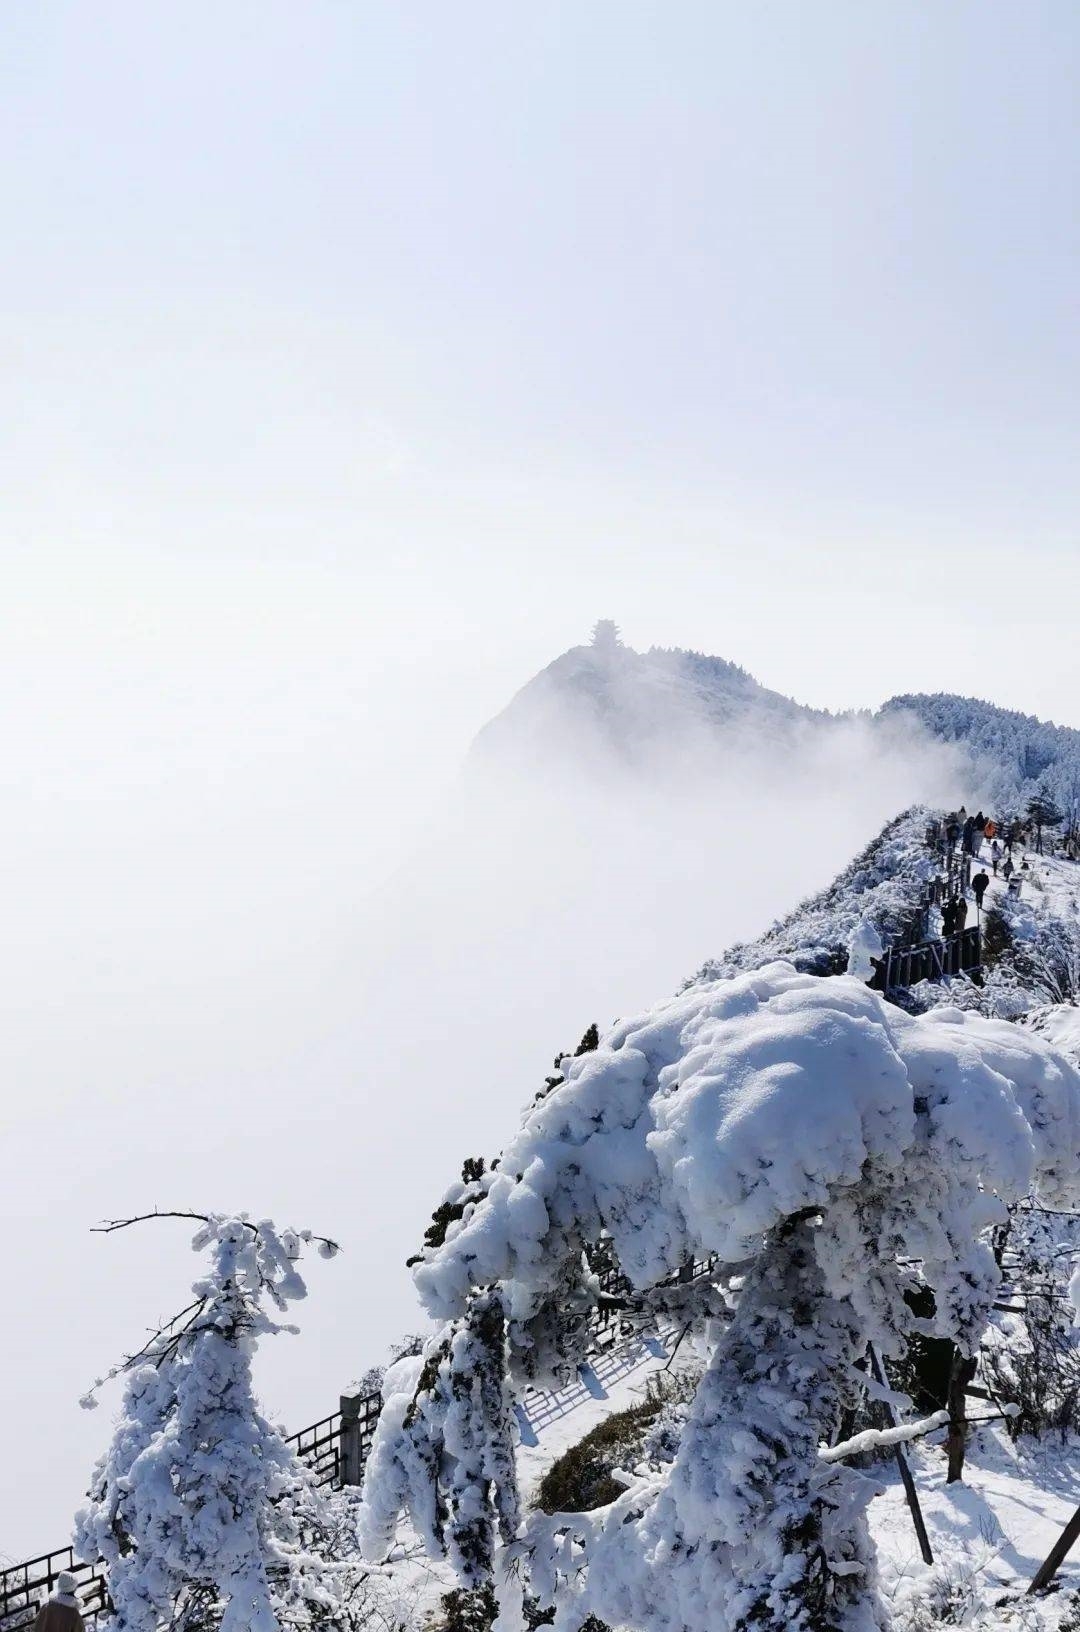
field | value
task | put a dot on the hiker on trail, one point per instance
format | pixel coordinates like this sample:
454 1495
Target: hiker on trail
61 1612
948 918
961 915
980 884
969 831
995 855
1008 870
952 831
977 833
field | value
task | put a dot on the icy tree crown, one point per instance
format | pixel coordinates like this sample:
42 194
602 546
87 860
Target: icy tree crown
201 1511
249 1261
831 1153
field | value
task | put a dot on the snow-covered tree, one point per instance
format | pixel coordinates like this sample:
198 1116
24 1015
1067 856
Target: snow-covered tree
1042 813
829 1153
1012 757
205 1519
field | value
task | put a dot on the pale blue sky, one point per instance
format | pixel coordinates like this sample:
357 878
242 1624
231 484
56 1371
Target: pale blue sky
751 325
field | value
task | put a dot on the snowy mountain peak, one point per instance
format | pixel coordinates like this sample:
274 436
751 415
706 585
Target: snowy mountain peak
609 699
606 705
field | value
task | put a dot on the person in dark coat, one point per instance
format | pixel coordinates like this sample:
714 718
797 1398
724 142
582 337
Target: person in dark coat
961 915
1008 870
61 1612
948 918
980 884
969 834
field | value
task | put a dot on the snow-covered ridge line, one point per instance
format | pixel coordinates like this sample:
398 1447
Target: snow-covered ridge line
1011 754
884 887
650 709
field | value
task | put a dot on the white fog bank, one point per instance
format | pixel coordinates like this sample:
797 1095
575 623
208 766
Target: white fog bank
229 1013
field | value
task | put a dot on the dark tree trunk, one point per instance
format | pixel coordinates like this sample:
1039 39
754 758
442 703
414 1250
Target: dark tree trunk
960 1376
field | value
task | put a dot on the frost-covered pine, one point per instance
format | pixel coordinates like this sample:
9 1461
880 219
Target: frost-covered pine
455 1439
1012 756
202 1513
830 1153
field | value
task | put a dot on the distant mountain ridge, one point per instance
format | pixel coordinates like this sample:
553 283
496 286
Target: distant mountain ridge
608 697
639 708
1013 753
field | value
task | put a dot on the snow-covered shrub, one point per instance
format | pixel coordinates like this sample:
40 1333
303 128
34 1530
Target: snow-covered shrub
205 1519
1031 1359
584 1476
833 1153
466 1609
581 1478
1032 950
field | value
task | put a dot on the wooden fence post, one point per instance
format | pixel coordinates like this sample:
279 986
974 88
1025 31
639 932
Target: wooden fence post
351 1452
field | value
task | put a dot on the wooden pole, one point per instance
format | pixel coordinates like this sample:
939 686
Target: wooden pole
905 1472
1057 1555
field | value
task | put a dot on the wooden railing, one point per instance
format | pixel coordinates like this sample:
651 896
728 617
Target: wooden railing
902 967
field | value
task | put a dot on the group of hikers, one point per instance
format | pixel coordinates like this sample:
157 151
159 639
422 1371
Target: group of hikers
1016 833
970 834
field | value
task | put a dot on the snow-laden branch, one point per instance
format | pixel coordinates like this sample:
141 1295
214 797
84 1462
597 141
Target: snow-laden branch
327 1247
876 1439
255 1260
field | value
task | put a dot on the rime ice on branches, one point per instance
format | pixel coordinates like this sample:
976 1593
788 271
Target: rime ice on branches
831 1153
202 1513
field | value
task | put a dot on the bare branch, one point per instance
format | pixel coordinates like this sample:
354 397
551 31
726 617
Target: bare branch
112 1224
109 1225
